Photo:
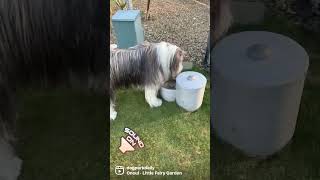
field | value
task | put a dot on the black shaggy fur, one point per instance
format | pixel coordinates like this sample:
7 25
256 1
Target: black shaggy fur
43 41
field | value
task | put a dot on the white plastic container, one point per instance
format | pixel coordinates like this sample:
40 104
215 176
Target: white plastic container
190 87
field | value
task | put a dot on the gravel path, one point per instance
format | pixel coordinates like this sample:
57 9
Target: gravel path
181 22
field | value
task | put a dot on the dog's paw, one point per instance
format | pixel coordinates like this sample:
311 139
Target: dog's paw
155 103
113 115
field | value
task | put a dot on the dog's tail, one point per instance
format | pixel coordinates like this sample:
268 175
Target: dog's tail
222 18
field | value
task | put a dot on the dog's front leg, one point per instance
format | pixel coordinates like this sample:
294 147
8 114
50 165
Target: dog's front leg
113 112
151 93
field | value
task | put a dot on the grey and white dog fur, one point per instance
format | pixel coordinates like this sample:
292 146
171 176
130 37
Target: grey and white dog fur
147 65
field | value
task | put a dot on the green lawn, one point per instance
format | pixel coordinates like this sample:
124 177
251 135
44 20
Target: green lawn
300 159
175 140
62 135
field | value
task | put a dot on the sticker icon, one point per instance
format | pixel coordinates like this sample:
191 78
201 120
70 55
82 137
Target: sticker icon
125 146
119 170
132 139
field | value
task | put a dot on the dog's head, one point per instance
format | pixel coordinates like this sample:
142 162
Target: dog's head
176 63
171 58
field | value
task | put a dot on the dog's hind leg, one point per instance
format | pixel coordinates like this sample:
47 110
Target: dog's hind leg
151 93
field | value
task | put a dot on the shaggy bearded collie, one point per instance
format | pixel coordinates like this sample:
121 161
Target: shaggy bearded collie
147 65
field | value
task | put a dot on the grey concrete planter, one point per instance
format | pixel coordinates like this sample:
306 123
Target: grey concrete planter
258 83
